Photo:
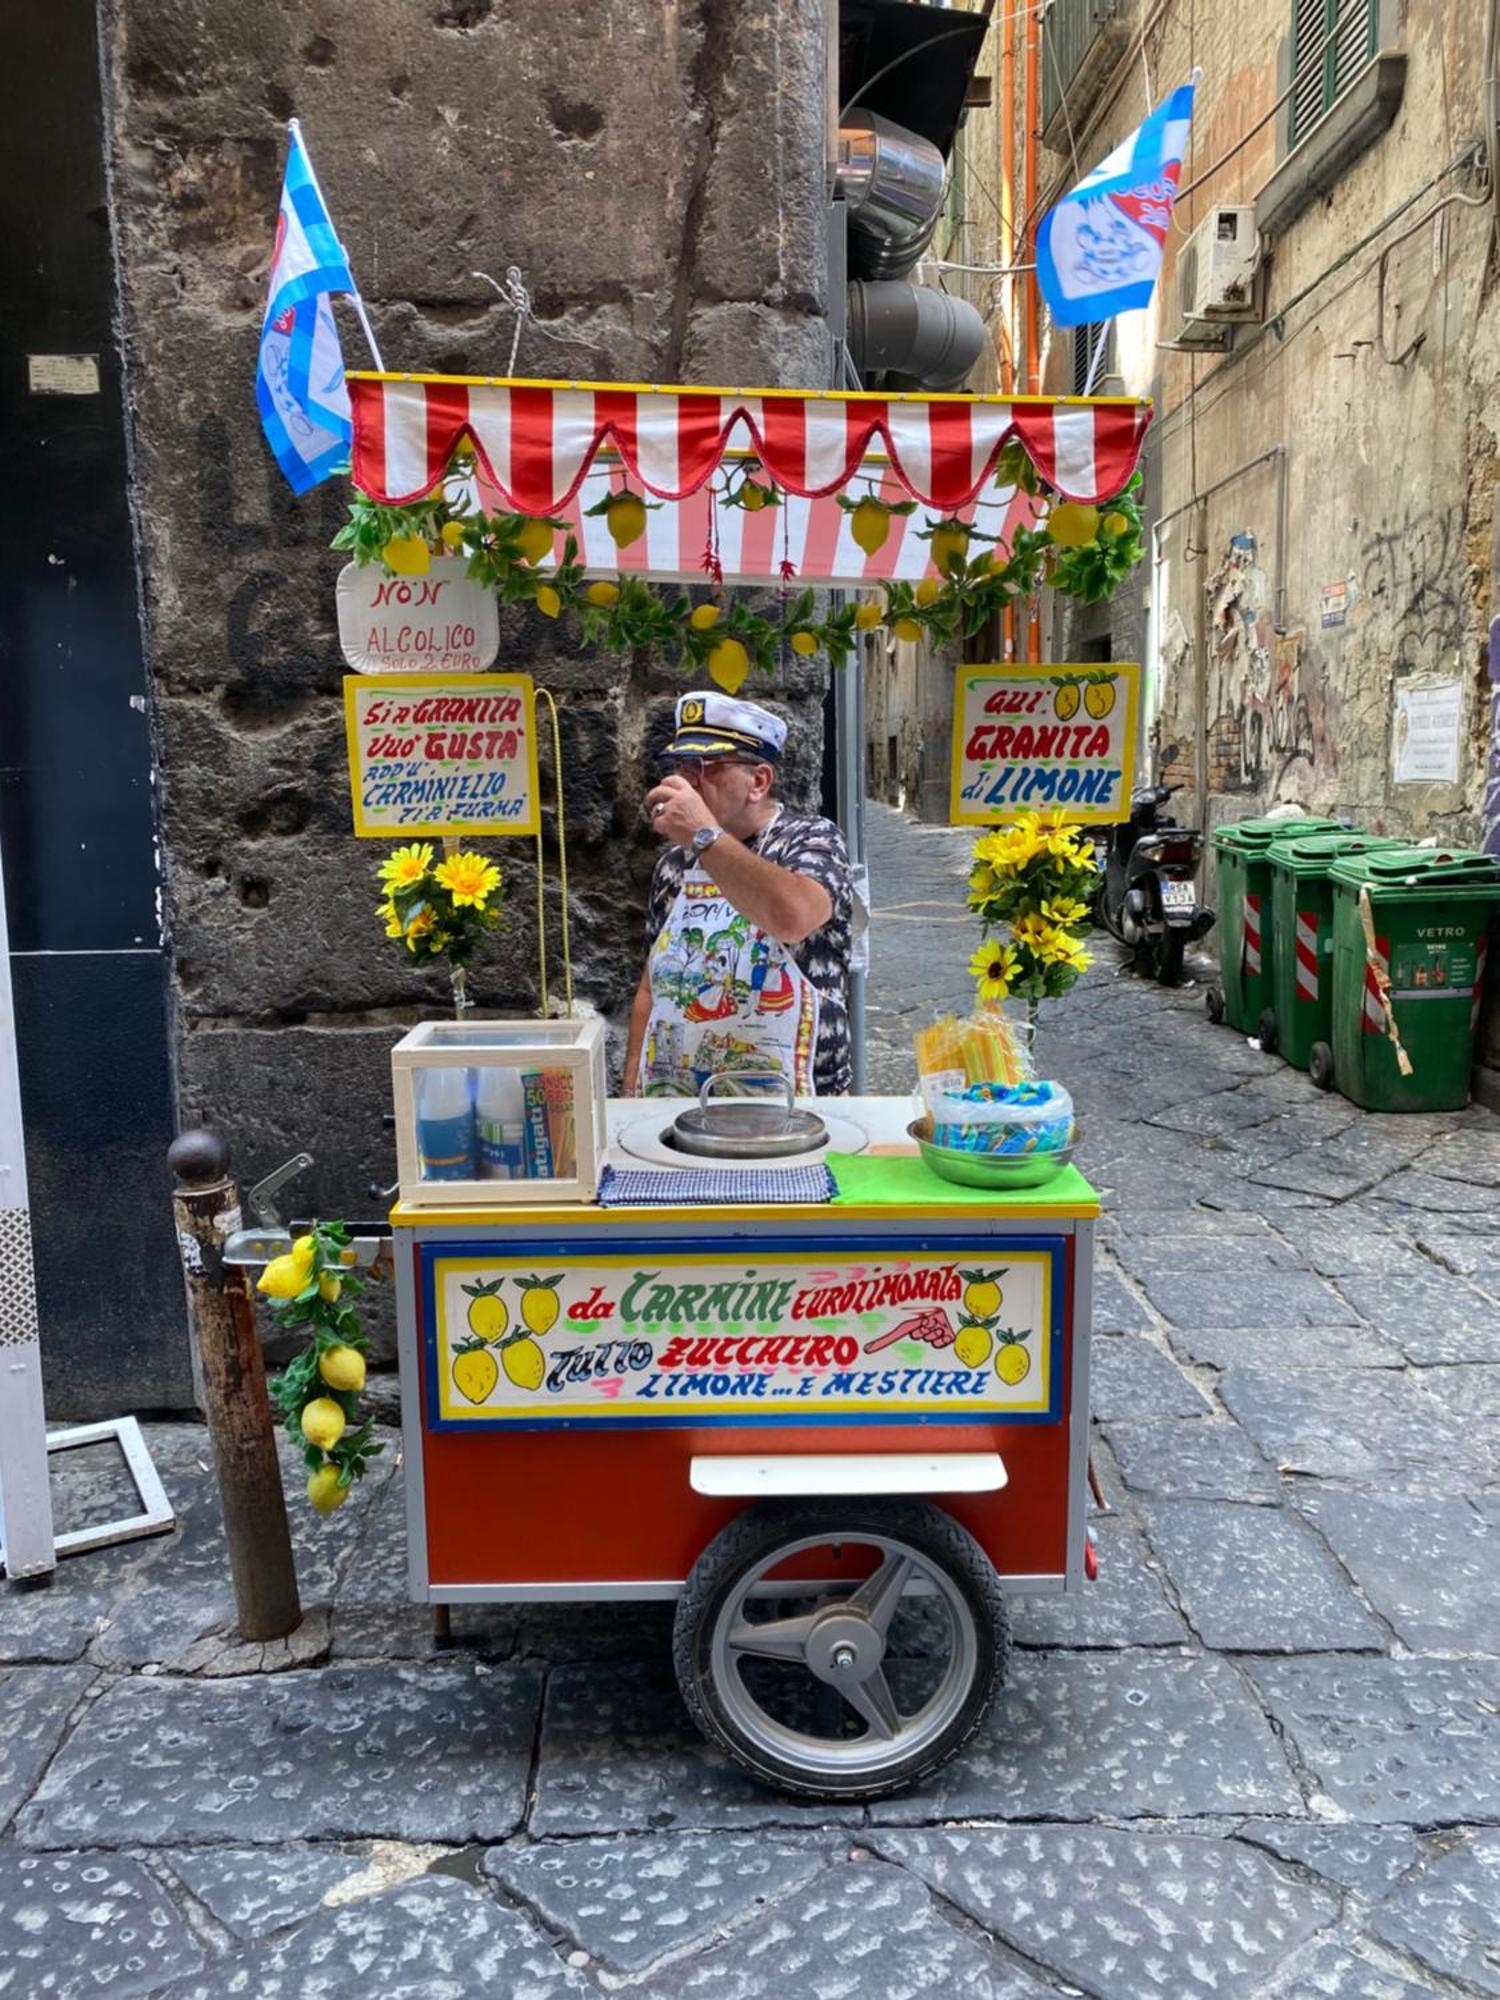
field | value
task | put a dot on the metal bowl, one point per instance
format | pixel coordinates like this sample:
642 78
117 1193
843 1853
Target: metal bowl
991 1170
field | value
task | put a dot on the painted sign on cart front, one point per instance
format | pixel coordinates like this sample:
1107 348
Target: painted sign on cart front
1043 738
441 754
659 1335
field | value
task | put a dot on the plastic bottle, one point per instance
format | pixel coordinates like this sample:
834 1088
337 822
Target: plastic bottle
445 1126
501 1118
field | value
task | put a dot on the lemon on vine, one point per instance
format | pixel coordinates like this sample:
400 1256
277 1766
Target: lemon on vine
283 1278
753 497
869 524
625 517
868 616
1073 526
329 1288
407 555
548 602
950 545
324 1489
305 1251
928 591
451 534
704 617
907 629
728 664
804 644
1114 525
342 1368
323 1422
602 595
535 539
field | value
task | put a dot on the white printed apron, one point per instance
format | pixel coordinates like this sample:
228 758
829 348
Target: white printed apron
724 996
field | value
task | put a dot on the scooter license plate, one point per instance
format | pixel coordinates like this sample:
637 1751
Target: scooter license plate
1178 896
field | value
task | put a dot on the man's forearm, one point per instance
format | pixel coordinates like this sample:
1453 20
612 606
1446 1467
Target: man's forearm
788 907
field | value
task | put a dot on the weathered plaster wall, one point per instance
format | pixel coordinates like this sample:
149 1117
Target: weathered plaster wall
656 172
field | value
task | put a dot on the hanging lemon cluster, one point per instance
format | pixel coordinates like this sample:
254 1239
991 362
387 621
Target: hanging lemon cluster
311 1290
1077 550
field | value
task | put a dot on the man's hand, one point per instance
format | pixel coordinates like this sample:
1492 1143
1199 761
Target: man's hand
676 811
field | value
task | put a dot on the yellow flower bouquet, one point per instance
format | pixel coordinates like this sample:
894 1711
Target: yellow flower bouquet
1033 880
440 909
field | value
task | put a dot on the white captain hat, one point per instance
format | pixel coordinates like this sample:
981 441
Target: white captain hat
710 724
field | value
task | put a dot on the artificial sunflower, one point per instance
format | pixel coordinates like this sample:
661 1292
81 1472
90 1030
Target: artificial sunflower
469 879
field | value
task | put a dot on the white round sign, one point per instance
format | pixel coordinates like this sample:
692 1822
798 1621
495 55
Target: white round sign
434 624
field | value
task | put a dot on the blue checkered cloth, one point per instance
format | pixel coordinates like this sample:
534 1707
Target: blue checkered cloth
675 1187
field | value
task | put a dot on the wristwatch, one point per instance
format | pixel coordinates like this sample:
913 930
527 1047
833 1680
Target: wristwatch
704 838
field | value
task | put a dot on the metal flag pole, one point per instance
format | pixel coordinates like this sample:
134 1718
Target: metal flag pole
294 126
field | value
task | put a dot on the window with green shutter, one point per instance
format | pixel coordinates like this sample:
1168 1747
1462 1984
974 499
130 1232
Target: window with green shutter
1332 40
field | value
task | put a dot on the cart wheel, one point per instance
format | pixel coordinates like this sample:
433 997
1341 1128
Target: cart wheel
841 1649
1213 1003
1265 1032
1320 1065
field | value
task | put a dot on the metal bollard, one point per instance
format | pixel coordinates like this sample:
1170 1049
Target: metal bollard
235 1400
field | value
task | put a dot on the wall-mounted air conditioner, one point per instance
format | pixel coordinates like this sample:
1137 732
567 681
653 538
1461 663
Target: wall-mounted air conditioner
1217 269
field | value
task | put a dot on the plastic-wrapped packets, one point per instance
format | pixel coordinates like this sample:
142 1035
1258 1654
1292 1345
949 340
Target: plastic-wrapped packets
1014 1119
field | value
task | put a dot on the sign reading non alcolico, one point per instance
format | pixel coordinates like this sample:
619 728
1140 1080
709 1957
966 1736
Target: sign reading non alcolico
1043 737
441 754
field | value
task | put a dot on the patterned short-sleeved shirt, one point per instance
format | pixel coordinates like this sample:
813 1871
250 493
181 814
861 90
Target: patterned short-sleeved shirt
808 846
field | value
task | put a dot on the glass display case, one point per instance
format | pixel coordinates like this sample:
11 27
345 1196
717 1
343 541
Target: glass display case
491 1112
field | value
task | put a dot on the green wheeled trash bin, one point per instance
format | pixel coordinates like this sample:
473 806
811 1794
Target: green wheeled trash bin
1409 928
1302 922
1244 998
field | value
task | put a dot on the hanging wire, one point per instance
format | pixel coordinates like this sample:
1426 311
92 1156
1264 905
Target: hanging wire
516 296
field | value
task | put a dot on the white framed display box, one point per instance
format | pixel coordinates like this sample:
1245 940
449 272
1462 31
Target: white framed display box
491 1112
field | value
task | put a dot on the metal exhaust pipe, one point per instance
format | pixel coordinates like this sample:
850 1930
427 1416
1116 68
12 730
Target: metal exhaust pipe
925 338
891 181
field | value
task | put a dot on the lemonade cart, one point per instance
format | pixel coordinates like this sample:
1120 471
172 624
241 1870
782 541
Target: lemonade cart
837 1406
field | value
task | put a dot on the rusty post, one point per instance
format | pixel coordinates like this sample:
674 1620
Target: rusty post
235 1401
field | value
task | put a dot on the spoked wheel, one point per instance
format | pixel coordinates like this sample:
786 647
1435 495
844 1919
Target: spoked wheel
841 1649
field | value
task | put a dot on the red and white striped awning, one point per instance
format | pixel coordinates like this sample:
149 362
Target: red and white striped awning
536 441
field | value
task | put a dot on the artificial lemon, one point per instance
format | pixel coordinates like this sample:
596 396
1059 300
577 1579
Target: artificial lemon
728 664
1114 525
972 1346
804 644
602 595
536 540
625 517
950 545
282 1278
475 1372
548 602
704 617
1072 526
343 1368
487 1316
753 497
1012 1363
523 1362
907 629
323 1422
869 524
868 616
407 555
451 534
329 1288
325 1491
928 591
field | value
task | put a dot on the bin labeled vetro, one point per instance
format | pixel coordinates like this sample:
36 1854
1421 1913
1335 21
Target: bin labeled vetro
1242 853
1409 930
1302 923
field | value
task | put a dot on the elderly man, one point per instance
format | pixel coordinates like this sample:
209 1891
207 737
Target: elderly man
748 924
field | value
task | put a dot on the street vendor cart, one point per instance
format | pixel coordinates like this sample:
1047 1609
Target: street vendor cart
838 1432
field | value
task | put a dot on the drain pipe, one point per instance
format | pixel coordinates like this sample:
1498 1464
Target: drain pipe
928 338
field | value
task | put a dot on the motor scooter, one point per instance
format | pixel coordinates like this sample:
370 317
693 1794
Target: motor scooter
1148 894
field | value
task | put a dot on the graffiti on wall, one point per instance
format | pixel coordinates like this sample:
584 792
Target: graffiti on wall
1414 577
1266 707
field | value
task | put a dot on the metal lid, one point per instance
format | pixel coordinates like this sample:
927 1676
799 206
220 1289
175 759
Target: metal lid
754 1127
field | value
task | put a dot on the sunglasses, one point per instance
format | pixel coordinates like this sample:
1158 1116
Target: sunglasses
695 767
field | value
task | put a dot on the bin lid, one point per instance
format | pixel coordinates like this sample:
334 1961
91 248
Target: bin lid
1315 853
1254 836
1420 871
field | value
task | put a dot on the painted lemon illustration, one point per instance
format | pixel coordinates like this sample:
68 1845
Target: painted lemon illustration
1012 1363
869 524
625 517
342 1368
973 1345
523 1361
1099 695
324 1490
487 1316
539 1306
982 1296
1065 701
728 664
323 1422
950 545
536 540
475 1371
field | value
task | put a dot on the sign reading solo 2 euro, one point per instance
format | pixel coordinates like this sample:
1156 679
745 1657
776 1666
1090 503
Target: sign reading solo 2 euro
1043 738
441 754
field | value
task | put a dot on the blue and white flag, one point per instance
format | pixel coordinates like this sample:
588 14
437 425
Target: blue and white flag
1098 251
299 384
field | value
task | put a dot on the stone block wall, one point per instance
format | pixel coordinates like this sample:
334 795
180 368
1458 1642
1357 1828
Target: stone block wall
656 172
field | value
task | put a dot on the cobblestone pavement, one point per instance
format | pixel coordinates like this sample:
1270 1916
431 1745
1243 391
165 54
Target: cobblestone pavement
1261 1757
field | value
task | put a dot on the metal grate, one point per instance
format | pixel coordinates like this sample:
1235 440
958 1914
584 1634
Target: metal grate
18 1324
1332 40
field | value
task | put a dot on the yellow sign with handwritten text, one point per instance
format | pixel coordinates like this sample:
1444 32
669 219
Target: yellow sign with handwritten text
441 754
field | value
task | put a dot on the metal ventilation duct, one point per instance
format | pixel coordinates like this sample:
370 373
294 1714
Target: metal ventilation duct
892 184
923 338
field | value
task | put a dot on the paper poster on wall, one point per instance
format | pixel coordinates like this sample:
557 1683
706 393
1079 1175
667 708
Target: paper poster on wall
1043 738
653 1336
440 623
1428 723
441 754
